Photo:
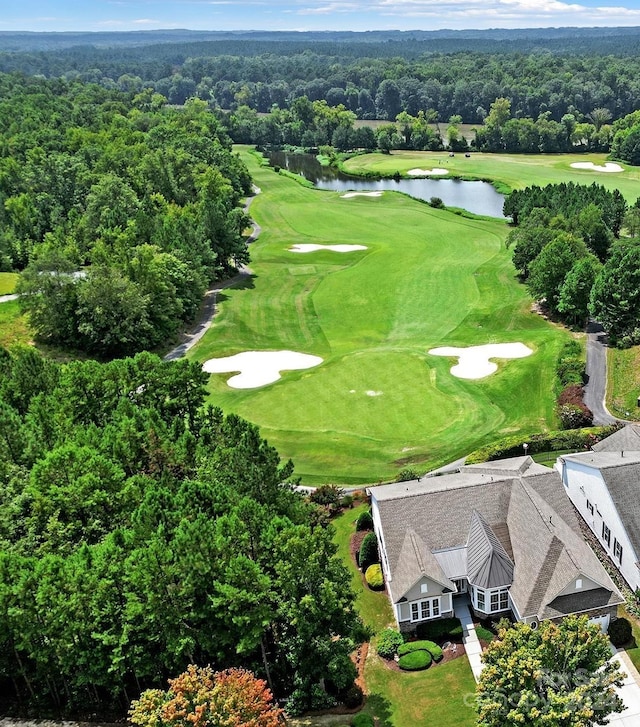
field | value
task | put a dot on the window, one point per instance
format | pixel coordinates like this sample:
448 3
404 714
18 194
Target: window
498 600
495 600
606 534
424 587
422 610
590 507
480 599
617 550
504 600
578 584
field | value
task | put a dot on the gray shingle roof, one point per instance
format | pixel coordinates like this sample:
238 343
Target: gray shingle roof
488 565
522 510
625 439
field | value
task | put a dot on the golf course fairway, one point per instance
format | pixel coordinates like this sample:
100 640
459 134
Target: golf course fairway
378 402
515 171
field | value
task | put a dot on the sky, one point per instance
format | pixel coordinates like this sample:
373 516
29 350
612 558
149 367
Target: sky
101 15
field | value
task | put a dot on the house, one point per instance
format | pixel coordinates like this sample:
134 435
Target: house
604 486
504 532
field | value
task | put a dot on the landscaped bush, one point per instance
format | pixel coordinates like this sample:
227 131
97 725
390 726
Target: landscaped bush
570 365
373 577
362 720
484 634
576 439
430 646
389 641
620 632
406 475
572 411
364 521
368 554
415 661
328 495
351 697
443 628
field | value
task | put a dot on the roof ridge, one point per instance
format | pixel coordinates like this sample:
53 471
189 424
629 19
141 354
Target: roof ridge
413 537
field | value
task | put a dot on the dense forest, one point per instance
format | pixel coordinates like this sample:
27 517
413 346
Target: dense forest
118 210
141 531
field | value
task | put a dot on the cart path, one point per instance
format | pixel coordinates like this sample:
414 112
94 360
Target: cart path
595 389
208 311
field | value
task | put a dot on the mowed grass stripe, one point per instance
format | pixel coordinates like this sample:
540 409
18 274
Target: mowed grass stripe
379 401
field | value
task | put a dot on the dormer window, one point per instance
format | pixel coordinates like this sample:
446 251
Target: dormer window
578 584
424 588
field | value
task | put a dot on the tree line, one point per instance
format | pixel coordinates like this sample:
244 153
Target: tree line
118 210
577 248
141 532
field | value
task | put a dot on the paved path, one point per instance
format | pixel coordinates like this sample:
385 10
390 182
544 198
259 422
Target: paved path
596 387
629 692
211 296
7 298
469 637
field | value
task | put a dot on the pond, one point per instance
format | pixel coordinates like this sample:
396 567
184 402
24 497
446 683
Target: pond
478 197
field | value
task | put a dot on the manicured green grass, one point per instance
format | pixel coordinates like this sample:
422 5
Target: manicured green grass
373 606
8 283
441 695
513 170
623 382
13 325
379 402
633 650
548 459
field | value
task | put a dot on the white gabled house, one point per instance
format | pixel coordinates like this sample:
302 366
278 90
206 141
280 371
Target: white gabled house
504 532
604 486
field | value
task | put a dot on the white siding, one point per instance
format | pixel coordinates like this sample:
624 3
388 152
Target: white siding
584 483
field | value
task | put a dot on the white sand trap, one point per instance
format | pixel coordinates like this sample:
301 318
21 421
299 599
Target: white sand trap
333 248
608 167
348 195
370 392
474 363
435 172
258 368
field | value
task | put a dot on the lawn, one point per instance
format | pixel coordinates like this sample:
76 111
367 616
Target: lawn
437 696
8 283
633 650
513 170
623 382
379 402
13 325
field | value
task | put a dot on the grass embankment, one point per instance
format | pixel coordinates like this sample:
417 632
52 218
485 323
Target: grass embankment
516 171
379 402
13 325
623 382
437 696
8 283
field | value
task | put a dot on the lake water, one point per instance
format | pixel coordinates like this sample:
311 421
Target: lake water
478 197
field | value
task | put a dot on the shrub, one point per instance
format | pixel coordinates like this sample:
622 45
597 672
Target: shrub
326 495
415 660
362 720
437 203
364 521
444 628
620 632
574 416
407 474
373 577
351 697
484 634
368 554
388 643
411 646
346 501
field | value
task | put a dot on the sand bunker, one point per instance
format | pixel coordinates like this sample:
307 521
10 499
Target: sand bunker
474 363
608 167
258 368
348 195
332 248
435 172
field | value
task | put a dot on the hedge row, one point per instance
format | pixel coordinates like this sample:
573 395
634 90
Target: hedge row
430 646
577 439
443 628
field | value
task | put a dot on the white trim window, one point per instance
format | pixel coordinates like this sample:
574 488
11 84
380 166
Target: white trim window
492 600
426 609
590 507
606 534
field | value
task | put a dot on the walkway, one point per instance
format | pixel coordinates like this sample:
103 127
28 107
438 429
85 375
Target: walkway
469 637
7 298
629 692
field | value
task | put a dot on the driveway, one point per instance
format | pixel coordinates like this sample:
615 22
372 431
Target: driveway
596 387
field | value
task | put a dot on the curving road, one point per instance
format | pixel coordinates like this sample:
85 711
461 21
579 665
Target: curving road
208 311
596 368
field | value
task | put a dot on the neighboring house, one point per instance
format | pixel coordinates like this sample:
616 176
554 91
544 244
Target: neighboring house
504 532
604 485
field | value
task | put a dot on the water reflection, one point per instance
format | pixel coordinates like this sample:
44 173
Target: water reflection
478 197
